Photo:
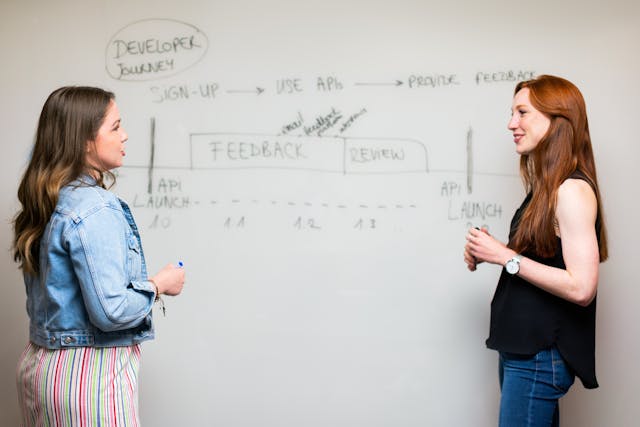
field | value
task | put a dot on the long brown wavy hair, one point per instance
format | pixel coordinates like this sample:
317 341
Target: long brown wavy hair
69 121
563 151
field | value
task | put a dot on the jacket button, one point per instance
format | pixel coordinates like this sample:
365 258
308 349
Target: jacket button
69 340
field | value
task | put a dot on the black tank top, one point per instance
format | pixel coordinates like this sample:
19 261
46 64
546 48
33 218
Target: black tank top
525 319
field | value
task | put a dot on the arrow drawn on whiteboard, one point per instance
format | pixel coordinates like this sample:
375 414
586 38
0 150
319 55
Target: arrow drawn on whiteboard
396 83
257 90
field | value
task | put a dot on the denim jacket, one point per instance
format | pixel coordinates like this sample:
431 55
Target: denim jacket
92 289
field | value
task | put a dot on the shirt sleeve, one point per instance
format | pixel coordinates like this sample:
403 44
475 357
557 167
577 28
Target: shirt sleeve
105 259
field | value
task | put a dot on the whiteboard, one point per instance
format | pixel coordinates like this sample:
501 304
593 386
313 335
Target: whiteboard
316 168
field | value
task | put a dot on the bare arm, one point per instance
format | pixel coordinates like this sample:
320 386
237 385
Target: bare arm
576 211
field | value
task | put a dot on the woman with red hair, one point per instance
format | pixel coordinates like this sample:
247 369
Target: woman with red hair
543 311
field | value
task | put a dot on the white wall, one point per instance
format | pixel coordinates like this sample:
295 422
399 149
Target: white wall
328 290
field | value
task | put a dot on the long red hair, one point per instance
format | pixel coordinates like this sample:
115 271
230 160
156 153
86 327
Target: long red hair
563 151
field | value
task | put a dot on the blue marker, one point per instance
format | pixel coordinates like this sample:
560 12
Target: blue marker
180 264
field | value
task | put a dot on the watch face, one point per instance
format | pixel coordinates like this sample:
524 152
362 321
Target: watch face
512 266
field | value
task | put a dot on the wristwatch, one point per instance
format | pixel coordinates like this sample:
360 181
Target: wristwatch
513 265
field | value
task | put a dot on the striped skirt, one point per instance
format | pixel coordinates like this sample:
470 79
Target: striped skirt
79 386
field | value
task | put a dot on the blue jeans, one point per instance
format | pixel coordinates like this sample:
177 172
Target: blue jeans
531 387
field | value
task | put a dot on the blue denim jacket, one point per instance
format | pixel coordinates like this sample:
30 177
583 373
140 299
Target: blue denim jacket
92 289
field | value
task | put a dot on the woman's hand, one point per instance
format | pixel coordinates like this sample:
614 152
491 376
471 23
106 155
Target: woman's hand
470 260
482 247
576 212
169 280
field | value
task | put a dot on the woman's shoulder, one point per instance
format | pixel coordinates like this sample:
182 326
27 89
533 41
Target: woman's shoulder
576 195
575 186
79 199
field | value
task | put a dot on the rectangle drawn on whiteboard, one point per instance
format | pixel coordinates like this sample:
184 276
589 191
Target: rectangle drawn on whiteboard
324 154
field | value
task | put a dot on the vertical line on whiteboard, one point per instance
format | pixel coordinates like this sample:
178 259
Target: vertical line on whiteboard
152 155
470 160
191 151
344 156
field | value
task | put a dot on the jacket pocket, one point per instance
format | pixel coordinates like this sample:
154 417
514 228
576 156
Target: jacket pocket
134 258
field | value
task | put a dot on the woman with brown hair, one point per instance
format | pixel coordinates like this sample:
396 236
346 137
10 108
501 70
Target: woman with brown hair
543 311
89 298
